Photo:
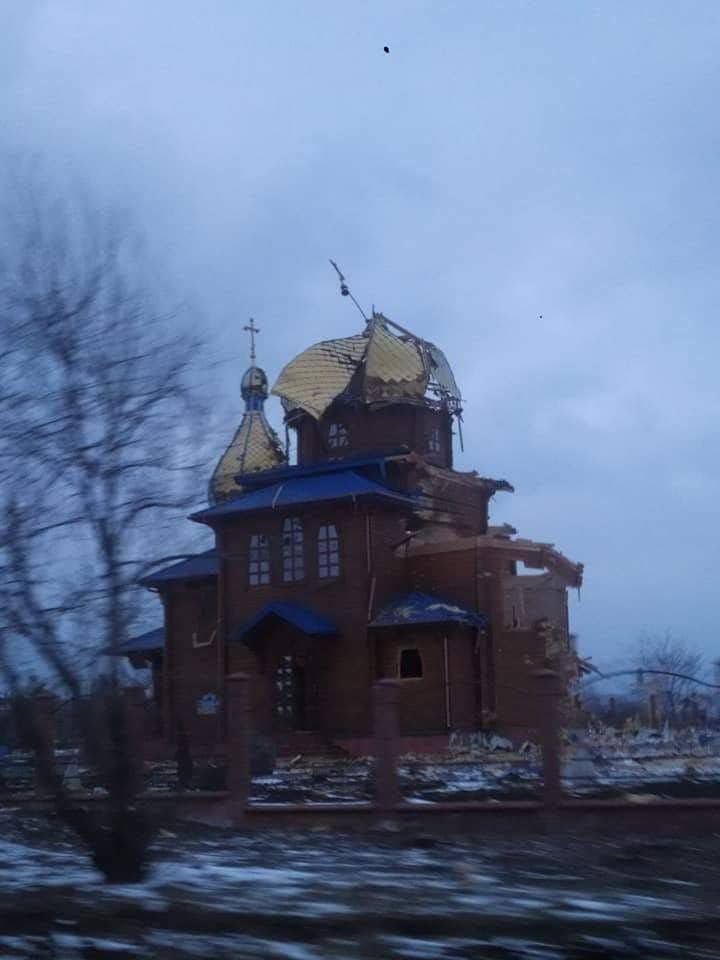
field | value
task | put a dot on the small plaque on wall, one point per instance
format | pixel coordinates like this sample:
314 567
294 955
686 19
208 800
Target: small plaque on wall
207 704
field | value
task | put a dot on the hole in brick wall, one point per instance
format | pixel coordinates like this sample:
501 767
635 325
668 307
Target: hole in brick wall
411 665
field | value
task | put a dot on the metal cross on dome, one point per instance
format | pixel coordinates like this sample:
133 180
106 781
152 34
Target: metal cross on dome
252 330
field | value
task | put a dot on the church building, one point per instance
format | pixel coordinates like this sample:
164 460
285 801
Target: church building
369 556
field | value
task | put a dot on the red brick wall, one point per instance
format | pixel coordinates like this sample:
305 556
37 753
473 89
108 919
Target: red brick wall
518 655
340 670
345 660
191 610
375 430
425 701
453 576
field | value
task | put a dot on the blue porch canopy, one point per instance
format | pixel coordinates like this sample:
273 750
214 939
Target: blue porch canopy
303 619
418 608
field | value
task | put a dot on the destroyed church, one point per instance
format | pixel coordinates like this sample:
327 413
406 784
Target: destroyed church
368 557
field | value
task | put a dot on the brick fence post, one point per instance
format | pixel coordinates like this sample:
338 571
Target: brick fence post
549 692
44 705
238 743
387 742
135 709
652 711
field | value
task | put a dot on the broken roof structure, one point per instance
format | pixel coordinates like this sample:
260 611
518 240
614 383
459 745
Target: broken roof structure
538 556
370 556
385 363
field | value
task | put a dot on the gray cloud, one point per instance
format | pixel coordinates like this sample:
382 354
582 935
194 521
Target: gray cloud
503 162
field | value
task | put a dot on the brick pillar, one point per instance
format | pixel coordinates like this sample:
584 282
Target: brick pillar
652 711
135 709
238 743
549 692
612 706
44 704
385 708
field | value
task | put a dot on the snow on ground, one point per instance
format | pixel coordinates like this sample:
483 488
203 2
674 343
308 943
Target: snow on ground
386 892
605 763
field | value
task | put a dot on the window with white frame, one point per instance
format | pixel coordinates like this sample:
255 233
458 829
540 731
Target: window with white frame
293 552
338 436
259 560
328 552
434 444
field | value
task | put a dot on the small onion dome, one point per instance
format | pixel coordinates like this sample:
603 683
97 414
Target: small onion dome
255 445
254 388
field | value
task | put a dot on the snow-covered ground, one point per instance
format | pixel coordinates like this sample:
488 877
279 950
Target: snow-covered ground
605 763
388 892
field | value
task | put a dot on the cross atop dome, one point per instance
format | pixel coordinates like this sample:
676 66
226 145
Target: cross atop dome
255 445
252 330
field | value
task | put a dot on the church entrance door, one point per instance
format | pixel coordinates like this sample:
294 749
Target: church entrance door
290 693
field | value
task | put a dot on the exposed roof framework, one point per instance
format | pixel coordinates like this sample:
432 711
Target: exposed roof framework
538 556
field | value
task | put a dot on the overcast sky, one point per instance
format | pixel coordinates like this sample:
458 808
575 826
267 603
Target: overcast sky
532 185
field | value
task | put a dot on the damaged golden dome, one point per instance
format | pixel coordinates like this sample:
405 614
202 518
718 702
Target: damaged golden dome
383 364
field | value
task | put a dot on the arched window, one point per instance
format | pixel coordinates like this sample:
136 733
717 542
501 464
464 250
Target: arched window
338 436
293 553
411 665
259 560
434 444
328 552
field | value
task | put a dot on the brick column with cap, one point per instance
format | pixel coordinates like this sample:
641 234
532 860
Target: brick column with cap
135 709
238 743
549 692
386 696
44 706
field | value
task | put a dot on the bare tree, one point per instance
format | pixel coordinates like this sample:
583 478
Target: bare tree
96 448
666 666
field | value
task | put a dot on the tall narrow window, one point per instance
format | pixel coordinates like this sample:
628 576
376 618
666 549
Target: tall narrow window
433 441
328 552
293 551
259 560
338 436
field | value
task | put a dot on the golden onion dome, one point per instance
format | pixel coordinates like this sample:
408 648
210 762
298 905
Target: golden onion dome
385 363
255 445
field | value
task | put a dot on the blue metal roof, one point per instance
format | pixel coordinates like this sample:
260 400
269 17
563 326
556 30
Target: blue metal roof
204 564
341 485
264 477
145 642
417 607
309 622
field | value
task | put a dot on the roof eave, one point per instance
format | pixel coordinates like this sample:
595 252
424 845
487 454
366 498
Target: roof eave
209 518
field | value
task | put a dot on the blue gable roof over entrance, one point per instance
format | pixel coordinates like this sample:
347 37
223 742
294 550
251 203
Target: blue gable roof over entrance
307 621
